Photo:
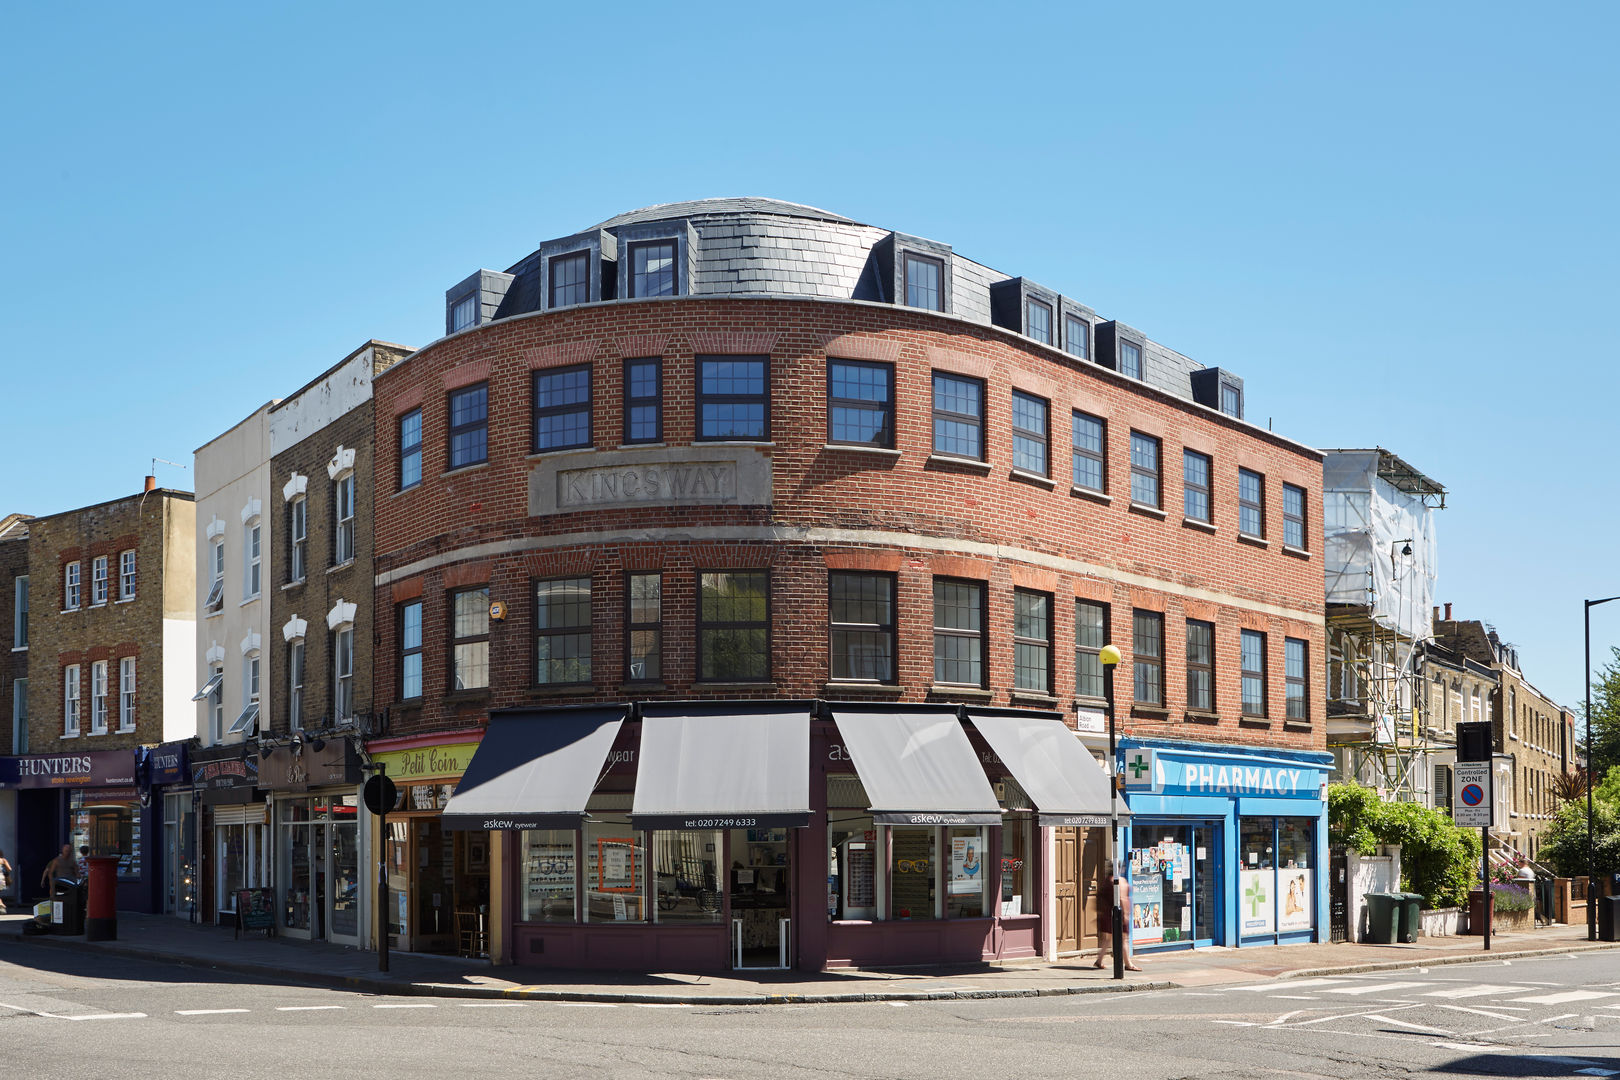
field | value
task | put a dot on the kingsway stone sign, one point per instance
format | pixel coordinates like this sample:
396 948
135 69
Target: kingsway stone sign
697 482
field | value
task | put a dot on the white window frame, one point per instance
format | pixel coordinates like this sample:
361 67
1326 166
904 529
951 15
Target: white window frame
216 703
343 680
296 658
252 558
98 697
298 561
216 587
126 575
70 701
19 613
98 581
19 716
126 694
343 536
72 583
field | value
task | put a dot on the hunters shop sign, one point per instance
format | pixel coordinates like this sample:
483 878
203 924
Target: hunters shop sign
95 768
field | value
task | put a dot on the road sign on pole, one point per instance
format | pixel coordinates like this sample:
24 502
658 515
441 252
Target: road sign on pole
1471 799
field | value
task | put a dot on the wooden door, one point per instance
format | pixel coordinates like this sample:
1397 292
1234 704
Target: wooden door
1092 906
1066 882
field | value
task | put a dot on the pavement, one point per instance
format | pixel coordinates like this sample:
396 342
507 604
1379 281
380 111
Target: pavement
168 939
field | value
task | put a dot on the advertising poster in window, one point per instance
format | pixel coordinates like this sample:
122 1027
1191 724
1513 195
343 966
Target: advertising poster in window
616 865
1147 909
1257 908
967 867
1296 908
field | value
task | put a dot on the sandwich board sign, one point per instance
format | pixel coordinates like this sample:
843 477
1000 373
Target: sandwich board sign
1471 794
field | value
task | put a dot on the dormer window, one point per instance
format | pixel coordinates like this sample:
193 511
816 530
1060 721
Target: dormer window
1130 359
570 279
652 268
924 280
464 313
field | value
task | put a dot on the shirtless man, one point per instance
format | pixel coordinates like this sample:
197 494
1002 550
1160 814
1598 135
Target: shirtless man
63 866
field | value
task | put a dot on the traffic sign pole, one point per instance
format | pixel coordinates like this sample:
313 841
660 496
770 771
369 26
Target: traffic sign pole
1472 805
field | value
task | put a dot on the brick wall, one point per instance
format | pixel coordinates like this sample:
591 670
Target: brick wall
326 582
916 516
1533 734
13 665
110 632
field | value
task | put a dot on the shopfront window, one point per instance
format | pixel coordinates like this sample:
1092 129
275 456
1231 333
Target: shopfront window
109 825
549 879
852 862
913 870
1257 881
1017 865
1296 883
615 871
968 874
687 881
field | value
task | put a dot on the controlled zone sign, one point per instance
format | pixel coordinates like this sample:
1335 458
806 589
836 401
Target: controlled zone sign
1471 794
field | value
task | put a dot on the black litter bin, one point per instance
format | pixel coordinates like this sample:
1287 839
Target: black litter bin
1411 909
1608 917
69 898
1383 923
1546 905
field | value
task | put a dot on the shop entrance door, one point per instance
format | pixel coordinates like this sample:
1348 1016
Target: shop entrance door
1175 875
1066 872
761 900
448 888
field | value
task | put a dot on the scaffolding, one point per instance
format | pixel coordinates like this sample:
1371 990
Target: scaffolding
1379 564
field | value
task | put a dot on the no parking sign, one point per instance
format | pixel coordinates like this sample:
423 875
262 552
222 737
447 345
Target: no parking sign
1471 794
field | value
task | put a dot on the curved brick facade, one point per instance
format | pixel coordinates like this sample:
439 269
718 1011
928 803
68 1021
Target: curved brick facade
908 512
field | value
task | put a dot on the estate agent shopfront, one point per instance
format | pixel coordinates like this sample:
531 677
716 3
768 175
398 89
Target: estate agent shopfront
717 835
1226 845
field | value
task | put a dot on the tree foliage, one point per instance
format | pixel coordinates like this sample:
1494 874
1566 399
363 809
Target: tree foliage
1605 718
1564 845
1438 859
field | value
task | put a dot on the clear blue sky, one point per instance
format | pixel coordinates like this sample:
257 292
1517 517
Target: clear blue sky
1397 223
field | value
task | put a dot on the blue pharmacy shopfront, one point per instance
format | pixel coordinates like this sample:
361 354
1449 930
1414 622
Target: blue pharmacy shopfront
1225 845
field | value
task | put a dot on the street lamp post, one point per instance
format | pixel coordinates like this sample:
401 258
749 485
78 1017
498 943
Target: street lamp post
1109 655
1591 837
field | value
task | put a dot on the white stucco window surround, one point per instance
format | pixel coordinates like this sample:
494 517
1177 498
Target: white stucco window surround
341 614
215 653
250 644
293 629
216 528
342 462
295 486
251 509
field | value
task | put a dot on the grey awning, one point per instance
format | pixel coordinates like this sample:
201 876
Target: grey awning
1064 781
725 765
534 769
917 766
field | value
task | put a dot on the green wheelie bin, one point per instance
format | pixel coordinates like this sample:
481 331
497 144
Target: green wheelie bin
1384 920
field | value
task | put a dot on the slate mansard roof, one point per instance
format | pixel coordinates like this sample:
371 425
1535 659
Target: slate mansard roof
753 247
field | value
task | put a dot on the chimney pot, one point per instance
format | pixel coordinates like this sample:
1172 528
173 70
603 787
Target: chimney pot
1437 613
1448 612
151 482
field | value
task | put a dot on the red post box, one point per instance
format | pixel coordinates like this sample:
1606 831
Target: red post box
101 907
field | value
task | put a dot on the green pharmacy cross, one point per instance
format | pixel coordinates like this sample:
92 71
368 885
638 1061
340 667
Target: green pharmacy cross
1255 895
1137 765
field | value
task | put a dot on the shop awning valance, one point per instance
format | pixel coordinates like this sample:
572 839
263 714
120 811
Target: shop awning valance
729 765
1049 762
917 766
534 769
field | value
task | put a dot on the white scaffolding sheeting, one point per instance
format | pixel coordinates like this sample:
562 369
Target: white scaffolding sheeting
1366 521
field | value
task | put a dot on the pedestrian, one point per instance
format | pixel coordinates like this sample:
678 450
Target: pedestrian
1105 919
62 867
5 880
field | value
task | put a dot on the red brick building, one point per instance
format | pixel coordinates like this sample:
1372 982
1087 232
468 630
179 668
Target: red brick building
718 468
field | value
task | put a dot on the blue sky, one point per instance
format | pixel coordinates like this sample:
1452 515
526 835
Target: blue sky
1397 223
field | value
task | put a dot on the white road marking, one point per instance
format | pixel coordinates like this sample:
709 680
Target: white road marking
206 1012
493 1004
1566 996
1478 1012
1286 1016
102 1016
591 1004
306 1008
1406 1024
1475 990
660 1005
402 1005
905 1004
1237 1023
1463 1046
1292 997
1375 988
1555 1019
1289 984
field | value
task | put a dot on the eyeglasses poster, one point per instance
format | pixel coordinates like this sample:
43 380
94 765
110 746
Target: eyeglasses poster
967 868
